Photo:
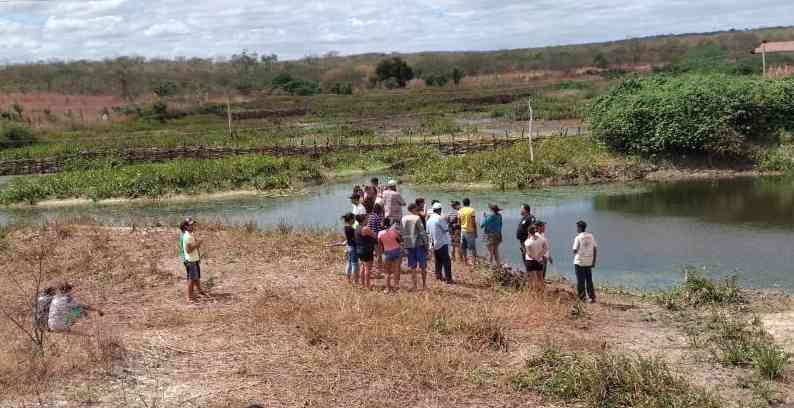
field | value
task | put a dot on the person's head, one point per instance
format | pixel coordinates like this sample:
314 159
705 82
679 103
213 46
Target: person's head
65 288
525 210
387 223
378 209
532 231
466 202
349 218
494 208
455 205
354 198
187 225
374 181
361 219
581 226
541 226
49 291
392 185
437 207
412 208
420 202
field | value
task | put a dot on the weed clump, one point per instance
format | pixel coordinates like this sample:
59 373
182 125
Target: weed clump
609 380
700 290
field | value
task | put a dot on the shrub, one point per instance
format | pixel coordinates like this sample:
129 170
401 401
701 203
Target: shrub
609 380
395 68
700 290
692 114
770 360
778 159
15 135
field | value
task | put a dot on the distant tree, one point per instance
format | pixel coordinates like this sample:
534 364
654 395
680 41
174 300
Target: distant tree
457 75
124 70
436 80
164 89
391 83
268 61
600 61
395 68
281 79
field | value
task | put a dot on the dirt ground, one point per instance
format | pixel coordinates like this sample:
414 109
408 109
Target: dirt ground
284 329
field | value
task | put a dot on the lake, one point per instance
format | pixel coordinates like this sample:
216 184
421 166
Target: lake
646 232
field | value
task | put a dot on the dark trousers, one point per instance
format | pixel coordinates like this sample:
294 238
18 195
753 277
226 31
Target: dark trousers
584 281
443 262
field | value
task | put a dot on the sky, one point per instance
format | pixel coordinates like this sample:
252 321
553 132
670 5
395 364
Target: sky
32 30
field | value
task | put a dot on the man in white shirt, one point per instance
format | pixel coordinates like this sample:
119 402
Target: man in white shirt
585 251
438 229
192 261
541 227
535 250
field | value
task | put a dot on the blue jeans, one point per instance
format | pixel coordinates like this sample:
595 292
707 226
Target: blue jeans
352 261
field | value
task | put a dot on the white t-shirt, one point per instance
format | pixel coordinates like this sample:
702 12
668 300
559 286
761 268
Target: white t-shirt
535 248
190 256
584 244
63 312
359 209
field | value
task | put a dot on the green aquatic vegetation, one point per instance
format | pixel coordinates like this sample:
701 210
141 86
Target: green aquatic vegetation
158 179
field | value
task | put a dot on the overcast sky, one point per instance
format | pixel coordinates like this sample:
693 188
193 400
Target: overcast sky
73 29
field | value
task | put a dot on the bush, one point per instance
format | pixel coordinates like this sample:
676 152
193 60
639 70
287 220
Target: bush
700 290
693 114
610 380
15 135
778 159
395 68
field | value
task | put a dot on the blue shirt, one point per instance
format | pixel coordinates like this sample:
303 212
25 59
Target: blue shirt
492 224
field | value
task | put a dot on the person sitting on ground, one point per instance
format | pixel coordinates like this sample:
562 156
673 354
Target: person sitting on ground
492 227
389 242
41 310
358 208
535 249
366 240
371 193
585 251
527 220
351 255
65 311
393 203
468 228
438 229
415 240
454 231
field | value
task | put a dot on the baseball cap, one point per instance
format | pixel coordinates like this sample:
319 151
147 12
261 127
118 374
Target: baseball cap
437 206
392 182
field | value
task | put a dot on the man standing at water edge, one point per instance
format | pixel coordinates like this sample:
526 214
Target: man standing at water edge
585 251
468 229
438 229
414 238
535 249
393 203
190 249
522 233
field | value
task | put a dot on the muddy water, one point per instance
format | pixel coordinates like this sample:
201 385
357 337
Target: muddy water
646 233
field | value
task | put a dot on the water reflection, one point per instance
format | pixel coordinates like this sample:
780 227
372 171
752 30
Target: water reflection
763 202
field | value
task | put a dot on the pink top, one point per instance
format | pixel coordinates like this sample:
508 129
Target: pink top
388 239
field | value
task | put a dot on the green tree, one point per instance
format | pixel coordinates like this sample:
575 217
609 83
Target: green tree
600 61
395 68
164 89
457 75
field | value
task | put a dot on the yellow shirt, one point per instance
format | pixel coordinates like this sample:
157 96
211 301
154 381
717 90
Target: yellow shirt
192 256
466 215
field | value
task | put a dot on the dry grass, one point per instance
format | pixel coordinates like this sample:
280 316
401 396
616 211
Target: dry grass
282 328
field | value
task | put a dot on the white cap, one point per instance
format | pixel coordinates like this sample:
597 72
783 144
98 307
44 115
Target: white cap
437 206
392 182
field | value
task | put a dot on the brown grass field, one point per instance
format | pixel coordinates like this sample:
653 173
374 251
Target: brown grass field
282 328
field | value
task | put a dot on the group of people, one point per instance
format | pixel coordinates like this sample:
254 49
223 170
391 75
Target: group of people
378 232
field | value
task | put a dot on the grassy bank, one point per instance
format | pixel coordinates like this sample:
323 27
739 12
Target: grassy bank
282 331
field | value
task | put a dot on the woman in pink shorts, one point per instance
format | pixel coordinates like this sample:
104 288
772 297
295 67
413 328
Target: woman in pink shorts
389 242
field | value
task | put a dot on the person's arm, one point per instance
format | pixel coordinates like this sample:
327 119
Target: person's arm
474 223
192 244
545 249
575 245
595 256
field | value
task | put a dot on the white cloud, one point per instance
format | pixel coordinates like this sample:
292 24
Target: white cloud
106 28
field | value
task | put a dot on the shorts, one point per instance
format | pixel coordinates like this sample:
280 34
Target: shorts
533 265
366 256
393 255
417 256
468 241
454 238
193 270
493 239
